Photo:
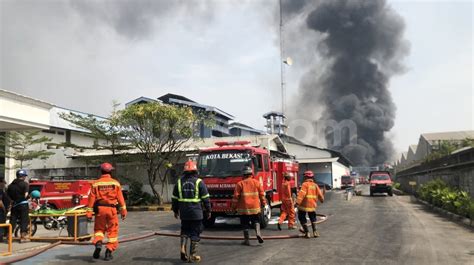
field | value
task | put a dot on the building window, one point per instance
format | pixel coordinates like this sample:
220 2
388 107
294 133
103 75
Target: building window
68 137
49 131
60 133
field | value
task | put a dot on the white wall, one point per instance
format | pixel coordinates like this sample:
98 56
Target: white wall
339 170
59 160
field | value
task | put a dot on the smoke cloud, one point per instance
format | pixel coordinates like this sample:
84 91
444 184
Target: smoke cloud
360 46
138 19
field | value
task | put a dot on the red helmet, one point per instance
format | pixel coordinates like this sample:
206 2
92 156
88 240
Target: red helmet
308 174
190 166
106 167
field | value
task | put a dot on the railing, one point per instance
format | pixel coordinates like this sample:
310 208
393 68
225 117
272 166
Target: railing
9 252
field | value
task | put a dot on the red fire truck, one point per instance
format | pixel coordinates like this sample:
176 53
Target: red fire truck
60 194
221 168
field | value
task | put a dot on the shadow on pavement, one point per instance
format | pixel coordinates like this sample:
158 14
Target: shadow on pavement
87 259
157 260
374 196
231 243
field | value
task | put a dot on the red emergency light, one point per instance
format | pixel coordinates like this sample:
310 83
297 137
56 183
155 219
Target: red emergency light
224 143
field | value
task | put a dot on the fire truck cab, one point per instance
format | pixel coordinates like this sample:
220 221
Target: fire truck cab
221 169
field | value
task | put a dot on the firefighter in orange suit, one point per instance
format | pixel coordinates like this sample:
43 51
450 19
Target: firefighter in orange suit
248 200
106 200
287 206
307 203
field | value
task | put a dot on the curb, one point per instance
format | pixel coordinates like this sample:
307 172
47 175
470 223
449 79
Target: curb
398 192
456 218
166 208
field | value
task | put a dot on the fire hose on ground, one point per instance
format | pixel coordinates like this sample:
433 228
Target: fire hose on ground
130 239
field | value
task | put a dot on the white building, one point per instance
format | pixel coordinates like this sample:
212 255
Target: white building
328 165
18 112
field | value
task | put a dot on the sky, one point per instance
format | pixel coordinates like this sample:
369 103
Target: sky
83 55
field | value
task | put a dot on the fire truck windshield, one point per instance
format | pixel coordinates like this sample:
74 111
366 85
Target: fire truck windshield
223 163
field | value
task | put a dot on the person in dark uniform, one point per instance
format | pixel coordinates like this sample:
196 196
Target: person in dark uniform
18 193
4 206
189 196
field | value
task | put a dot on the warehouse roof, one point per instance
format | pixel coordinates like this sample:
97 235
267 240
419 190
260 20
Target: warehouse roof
458 135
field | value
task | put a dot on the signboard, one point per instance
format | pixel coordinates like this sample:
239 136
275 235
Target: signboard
62 186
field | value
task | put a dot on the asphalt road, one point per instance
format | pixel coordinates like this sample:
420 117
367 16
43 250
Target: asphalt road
365 230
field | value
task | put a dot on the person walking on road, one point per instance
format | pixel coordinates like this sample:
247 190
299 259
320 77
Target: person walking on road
4 206
18 193
287 207
189 196
306 202
106 199
248 200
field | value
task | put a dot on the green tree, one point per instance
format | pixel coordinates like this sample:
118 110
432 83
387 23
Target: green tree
107 132
159 132
467 142
24 146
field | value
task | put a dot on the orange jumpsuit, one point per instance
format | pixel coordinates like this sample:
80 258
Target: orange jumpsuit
248 197
107 193
287 209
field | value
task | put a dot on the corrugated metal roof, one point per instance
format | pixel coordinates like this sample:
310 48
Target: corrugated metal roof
459 135
404 155
58 122
271 142
318 160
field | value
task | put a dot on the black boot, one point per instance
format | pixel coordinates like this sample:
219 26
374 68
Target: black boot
257 231
98 248
279 226
315 231
108 255
193 253
246 241
184 247
305 231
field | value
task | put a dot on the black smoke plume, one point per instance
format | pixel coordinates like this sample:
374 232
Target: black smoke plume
361 47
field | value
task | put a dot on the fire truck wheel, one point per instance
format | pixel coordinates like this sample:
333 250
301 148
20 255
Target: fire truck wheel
33 229
265 215
209 222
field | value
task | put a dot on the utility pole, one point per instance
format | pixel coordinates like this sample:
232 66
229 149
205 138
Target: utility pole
282 69
288 61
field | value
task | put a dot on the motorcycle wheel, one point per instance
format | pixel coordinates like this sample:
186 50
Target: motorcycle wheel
33 229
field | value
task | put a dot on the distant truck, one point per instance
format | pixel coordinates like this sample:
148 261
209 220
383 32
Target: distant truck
221 168
380 182
61 194
347 182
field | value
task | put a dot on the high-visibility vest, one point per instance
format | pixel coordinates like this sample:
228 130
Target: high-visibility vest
196 198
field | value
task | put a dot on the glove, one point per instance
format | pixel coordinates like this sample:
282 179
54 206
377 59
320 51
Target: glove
176 215
123 213
89 215
208 215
